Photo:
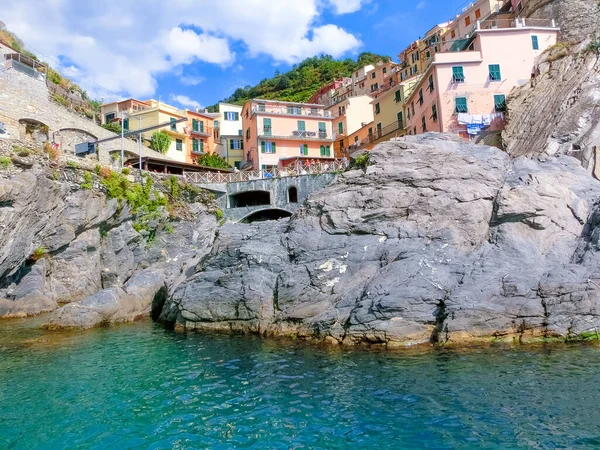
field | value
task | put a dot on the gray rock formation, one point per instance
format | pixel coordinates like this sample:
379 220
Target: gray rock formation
98 268
438 240
558 112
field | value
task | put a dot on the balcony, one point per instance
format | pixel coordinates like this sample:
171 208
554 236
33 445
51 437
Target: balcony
202 131
495 24
298 135
290 111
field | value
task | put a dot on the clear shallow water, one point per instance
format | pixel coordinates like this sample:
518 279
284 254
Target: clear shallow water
140 386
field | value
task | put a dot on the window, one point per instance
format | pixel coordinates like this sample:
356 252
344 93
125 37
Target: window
268 147
415 131
295 110
370 131
453 34
109 117
356 139
216 124
325 151
412 106
240 132
236 164
195 145
428 54
236 144
201 123
267 127
379 130
495 72
179 145
314 111
500 103
194 125
126 125
377 108
232 116
434 115
535 42
304 149
467 21
398 95
478 13
261 107
248 134
374 87
341 128
424 124
400 121
384 70
173 124
421 97
322 130
431 87
301 125
461 105
373 75
458 74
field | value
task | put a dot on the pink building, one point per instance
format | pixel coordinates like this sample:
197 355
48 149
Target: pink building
275 132
465 92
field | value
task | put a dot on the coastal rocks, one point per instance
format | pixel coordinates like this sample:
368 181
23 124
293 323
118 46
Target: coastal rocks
113 305
438 240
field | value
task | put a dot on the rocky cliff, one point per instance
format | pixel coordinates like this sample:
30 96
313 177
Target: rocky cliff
558 113
437 240
67 246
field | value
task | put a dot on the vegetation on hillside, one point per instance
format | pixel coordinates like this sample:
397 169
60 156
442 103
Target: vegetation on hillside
212 160
303 80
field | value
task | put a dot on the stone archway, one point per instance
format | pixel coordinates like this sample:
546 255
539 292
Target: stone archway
33 130
68 138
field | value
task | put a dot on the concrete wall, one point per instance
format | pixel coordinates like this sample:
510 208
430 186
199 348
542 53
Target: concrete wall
278 189
23 97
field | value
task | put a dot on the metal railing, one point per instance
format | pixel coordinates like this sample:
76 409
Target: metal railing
206 131
298 168
492 24
297 111
301 135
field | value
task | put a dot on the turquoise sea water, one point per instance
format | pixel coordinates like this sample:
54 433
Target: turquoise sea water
140 386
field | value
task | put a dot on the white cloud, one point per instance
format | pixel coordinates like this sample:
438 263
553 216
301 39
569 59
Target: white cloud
121 48
191 80
185 101
347 6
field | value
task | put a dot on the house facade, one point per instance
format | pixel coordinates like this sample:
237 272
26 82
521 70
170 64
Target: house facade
350 115
200 129
231 134
276 131
464 24
465 92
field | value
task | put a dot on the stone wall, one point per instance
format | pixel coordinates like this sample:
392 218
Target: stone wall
23 98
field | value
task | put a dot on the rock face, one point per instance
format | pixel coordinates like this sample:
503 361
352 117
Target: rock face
96 263
437 241
558 113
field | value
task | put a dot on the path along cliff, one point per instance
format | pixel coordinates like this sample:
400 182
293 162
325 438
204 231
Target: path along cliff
436 240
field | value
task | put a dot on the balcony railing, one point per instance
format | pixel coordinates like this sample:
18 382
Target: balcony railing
299 134
313 112
206 131
493 24
377 135
293 170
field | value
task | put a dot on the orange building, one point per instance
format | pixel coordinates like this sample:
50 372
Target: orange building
277 131
200 129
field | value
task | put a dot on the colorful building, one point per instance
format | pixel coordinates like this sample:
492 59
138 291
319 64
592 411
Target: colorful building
231 134
200 130
328 94
465 92
464 25
350 115
277 131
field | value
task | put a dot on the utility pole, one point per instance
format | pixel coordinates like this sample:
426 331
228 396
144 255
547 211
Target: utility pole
122 137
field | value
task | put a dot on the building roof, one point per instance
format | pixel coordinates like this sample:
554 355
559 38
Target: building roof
175 165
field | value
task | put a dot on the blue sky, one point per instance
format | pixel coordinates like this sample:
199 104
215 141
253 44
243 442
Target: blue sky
196 52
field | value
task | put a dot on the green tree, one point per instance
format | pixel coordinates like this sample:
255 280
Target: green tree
112 126
212 160
160 141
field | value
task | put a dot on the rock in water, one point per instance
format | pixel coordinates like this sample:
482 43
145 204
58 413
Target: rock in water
438 240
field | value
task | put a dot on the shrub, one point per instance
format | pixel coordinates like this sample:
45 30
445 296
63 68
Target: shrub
125 170
54 76
97 169
22 152
5 162
53 152
594 47
105 172
55 175
60 99
219 214
112 126
160 141
212 160
173 186
87 184
44 129
39 253
362 161
72 165
168 228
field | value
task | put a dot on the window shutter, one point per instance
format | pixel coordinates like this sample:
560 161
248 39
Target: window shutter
398 93
241 145
461 105
535 43
301 125
230 144
201 127
306 149
274 147
322 126
341 127
262 147
236 116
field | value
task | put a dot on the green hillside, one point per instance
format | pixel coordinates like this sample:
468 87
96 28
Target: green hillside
303 80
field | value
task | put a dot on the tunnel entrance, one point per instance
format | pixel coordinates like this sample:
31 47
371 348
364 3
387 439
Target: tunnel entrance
250 198
266 214
293 195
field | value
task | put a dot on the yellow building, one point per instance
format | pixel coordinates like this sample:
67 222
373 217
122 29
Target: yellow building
388 110
140 115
